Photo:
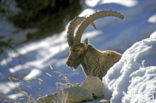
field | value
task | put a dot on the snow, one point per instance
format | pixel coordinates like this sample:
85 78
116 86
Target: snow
133 78
152 19
32 74
6 87
134 74
91 3
128 3
153 35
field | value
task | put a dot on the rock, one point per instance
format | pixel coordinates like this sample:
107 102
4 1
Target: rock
78 94
61 97
95 85
47 99
92 86
75 94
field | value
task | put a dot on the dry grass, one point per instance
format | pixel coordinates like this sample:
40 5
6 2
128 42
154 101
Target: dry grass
28 98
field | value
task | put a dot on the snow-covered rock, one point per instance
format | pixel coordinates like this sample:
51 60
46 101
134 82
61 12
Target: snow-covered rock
133 78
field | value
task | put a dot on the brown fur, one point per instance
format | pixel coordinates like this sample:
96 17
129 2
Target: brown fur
94 62
97 63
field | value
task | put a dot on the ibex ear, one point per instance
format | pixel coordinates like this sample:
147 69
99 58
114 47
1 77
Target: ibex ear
86 41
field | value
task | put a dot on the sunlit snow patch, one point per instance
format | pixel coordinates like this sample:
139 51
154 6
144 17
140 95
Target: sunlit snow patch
87 12
32 74
91 3
152 19
128 3
153 35
15 96
8 86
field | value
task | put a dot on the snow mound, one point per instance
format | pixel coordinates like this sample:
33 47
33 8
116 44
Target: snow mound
133 78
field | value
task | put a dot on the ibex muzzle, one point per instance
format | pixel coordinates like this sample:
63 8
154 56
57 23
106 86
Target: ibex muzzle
93 61
76 54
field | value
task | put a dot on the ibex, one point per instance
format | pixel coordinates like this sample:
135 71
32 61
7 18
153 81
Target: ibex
94 62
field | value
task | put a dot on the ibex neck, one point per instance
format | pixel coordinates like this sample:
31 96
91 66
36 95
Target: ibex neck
90 60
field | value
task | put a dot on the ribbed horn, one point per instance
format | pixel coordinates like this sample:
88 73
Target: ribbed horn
70 33
91 19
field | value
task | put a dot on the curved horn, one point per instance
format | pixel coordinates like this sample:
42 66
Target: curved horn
92 18
70 33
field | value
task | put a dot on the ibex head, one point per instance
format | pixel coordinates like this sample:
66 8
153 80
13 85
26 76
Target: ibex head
77 49
76 54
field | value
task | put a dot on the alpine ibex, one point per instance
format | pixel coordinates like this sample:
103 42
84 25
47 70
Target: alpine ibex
94 62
